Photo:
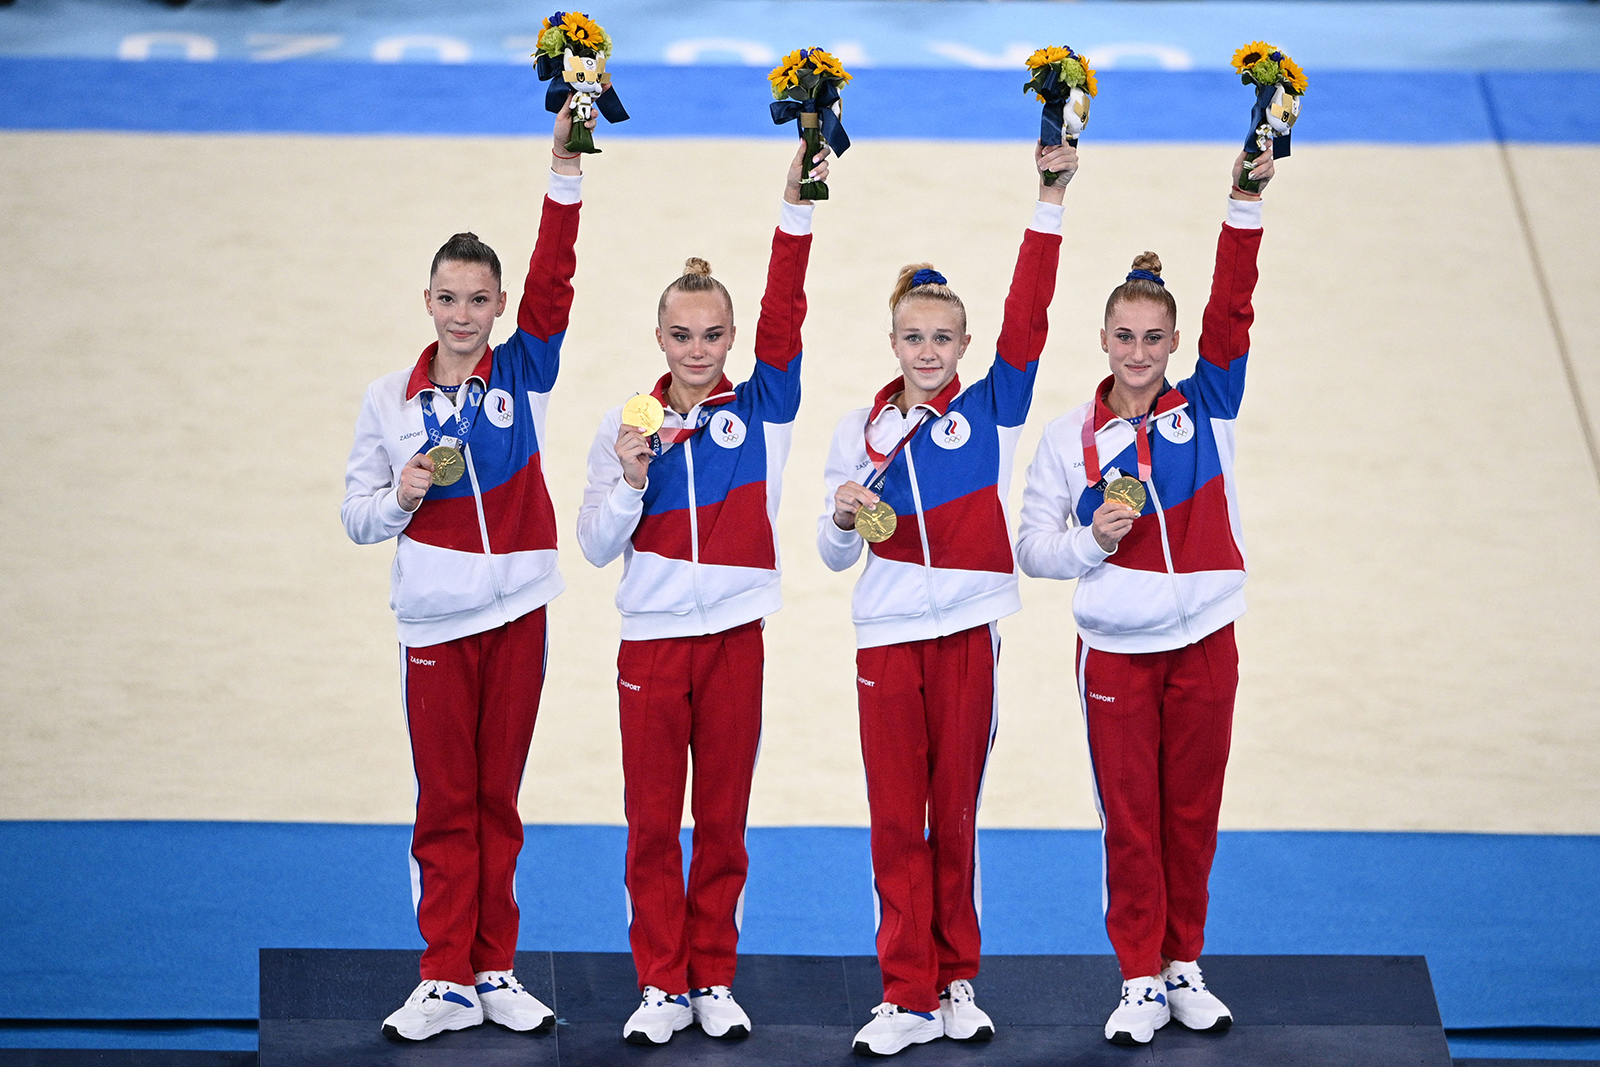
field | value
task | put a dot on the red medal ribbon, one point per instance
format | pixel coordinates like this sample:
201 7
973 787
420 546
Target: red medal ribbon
1091 453
880 462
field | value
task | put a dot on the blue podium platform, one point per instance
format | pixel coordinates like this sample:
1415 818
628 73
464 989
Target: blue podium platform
324 1007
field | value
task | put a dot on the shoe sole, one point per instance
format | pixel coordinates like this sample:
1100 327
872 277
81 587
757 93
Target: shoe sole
864 1049
547 1024
639 1037
1219 1027
1122 1037
981 1034
393 1033
736 1032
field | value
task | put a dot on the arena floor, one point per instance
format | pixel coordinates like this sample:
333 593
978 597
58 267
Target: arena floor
205 258
189 634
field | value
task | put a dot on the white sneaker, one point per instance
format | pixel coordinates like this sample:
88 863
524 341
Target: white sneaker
658 1017
1142 1012
893 1028
963 1019
718 1014
432 1007
1191 1002
507 1003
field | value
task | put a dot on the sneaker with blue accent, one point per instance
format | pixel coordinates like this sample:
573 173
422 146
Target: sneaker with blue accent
1192 1004
513 1007
718 1014
658 1017
963 1019
1142 1012
894 1028
432 1008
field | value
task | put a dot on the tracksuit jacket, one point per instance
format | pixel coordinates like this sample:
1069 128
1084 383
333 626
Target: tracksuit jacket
1178 575
699 542
481 552
948 566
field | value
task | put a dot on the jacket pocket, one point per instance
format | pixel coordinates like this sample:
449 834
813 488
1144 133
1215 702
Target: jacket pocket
1114 600
889 589
436 583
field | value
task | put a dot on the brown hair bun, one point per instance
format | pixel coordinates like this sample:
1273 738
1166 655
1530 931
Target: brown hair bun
696 267
1147 261
696 278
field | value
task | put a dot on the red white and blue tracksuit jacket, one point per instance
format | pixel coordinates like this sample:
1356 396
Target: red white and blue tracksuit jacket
482 552
948 566
699 542
1178 575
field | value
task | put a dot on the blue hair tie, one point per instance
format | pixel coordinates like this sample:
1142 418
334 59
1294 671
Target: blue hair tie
1147 276
927 277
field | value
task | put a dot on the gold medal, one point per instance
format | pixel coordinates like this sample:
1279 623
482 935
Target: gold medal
644 413
1129 491
876 522
448 464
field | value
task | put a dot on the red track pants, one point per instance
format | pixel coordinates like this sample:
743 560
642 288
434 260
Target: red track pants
928 719
1159 728
470 707
683 695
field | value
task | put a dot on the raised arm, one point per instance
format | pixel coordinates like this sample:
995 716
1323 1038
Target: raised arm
546 303
1033 286
1225 329
783 305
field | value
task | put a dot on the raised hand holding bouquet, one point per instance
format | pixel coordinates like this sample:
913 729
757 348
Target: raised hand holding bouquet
575 47
1064 82
806 86
1279 83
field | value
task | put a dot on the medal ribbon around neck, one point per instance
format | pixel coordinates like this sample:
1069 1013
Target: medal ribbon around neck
1091 451
880 461
665 438
469 399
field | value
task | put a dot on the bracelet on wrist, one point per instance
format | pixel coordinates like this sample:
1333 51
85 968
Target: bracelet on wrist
559 155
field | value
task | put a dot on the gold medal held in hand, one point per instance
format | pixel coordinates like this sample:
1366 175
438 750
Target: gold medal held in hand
1128 491
876 522
644 413
448 464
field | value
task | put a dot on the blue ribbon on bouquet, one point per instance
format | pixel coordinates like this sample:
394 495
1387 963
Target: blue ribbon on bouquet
1055 93
790 110
1258 115
550 69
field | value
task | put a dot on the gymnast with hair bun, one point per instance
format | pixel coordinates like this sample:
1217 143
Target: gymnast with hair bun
1133 495
684 483
918 480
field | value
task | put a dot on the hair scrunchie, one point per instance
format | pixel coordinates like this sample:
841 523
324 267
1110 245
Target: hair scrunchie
1147 276
927 277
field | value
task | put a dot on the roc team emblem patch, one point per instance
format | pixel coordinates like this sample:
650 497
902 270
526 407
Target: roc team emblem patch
1176 427
727 429
952 430
499 407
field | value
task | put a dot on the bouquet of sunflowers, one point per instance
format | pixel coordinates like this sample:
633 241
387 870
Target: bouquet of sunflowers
1279 83
575 47
1064 82
806 87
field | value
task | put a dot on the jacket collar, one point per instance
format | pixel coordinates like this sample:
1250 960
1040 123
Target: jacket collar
938 405
419 374
1167 400
721 394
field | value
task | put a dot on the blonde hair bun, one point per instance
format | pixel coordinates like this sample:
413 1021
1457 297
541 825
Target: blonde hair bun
1147 261
694 266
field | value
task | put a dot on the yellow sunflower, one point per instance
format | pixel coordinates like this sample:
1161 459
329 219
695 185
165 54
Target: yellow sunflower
826 64
1294 79
1046 56
1250 55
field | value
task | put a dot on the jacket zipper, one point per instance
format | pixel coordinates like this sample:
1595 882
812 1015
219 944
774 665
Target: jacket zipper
922 529
483 528
1172 572
694 534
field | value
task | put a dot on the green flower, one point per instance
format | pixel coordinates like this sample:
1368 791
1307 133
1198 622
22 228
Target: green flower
1264 71
1072 74
604 47
552 41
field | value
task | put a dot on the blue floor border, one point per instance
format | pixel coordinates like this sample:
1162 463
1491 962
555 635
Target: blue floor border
160 920
340 98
